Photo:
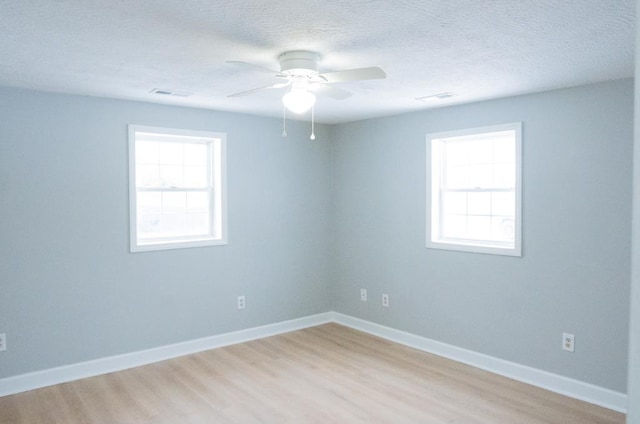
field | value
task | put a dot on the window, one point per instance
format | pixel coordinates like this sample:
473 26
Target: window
476 190
176 188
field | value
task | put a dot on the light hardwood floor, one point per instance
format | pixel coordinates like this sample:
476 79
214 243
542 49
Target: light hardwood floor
324 374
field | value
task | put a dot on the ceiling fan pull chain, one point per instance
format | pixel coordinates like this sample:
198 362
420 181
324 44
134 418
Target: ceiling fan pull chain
284 121
313 136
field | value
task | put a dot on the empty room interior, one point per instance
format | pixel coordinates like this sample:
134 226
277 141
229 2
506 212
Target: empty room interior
319 212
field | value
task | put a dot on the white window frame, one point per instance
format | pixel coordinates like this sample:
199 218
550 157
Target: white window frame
434 194
216 189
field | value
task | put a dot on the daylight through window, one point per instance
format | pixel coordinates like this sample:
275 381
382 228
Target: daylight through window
177 188
476 190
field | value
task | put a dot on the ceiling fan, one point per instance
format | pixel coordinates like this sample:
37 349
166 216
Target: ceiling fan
300 75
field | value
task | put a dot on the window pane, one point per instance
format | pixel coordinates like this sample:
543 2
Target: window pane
147 152
455 203
197 224
196 154
480 151
479 227
148 225
174 202
147 176
171 176
481 176
454 226
195 176
457 176
504 150
503 204
456 153
479 203
173 225
171 153
149 203
503 229
197 202
504 175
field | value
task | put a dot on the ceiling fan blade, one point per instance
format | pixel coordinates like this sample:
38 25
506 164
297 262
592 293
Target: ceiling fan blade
256 67
253 90
329 91
353 75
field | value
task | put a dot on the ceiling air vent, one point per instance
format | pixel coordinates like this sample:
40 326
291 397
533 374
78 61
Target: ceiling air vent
438 96
170 92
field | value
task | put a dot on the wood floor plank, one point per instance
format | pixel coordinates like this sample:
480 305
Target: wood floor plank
324 374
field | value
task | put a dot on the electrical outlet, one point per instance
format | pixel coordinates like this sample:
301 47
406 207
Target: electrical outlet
241 302
385 300
363 295
568 342
3 342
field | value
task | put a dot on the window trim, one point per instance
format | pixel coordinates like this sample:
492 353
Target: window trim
433 193
218 198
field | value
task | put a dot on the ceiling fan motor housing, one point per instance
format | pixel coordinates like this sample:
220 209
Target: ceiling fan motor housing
299 63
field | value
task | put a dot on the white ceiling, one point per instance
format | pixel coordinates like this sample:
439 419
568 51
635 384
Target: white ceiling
479 49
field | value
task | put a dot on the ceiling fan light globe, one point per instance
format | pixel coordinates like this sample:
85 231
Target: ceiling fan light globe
299 101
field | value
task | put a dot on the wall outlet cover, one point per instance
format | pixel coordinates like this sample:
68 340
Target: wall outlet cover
363 295
568 342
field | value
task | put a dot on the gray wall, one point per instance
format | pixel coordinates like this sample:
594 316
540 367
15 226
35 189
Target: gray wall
70 290
633 416
574 275
310 223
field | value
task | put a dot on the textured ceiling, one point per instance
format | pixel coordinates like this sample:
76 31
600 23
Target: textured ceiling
476 49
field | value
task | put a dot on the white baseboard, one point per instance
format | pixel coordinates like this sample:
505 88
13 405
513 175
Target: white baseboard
553 382
566 386
49 377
